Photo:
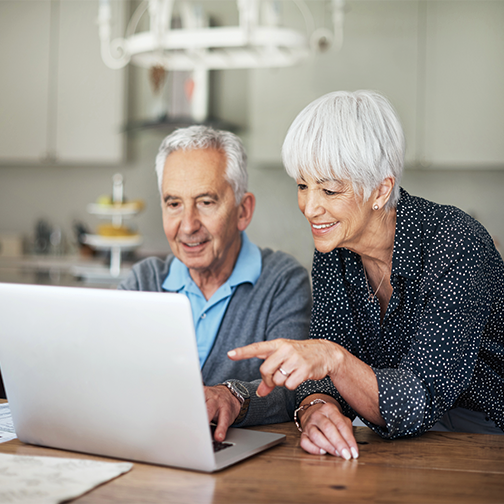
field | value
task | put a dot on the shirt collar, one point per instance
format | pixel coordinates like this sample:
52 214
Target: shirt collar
178 276
248 265
408 238
247 269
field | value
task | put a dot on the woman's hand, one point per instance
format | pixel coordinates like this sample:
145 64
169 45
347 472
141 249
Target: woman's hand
326 429
288 363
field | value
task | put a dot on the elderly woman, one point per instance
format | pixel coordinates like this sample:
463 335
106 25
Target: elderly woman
408 318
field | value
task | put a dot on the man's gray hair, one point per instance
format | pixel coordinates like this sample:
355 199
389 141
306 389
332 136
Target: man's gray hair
346 136
204 137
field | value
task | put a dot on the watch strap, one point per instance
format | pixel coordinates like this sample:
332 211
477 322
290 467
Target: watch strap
243 398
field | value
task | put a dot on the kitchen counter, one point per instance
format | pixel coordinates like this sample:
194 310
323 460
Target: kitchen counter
75 271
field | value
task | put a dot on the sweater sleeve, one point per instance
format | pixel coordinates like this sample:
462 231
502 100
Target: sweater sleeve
289 318
277 307
277 407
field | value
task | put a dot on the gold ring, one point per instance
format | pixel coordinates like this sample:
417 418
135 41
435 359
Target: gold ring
284 372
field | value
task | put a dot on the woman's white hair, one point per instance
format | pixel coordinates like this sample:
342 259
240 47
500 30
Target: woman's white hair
204 137
355 137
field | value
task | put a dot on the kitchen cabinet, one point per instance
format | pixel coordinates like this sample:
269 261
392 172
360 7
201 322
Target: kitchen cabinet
464 84
59 103
440 63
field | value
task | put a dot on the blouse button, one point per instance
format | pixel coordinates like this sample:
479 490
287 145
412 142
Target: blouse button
204 315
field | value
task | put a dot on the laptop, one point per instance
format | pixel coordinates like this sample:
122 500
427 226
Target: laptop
113 373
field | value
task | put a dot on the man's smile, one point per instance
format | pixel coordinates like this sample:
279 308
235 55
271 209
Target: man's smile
194 246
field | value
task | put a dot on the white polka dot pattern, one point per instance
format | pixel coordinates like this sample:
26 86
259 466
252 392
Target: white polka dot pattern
441 343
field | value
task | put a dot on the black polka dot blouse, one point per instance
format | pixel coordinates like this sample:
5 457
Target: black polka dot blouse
441 342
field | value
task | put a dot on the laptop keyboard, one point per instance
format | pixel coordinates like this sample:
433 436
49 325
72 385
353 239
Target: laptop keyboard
218 446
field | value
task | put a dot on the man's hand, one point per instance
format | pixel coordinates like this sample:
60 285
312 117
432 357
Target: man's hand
222 408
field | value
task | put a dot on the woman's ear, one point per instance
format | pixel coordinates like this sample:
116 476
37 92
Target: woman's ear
245 211
383 192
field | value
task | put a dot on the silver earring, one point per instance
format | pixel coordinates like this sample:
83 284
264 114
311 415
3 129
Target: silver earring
376 206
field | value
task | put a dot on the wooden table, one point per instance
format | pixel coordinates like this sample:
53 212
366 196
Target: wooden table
435 468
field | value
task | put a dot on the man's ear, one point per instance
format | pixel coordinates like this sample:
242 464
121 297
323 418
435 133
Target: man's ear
384 191
245 211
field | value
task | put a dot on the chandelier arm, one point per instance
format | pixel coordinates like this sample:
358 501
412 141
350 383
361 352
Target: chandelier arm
135 18
248 16
338 8
307 16
247 45
166 15
106 46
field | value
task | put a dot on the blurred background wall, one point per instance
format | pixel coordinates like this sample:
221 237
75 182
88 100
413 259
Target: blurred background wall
441 63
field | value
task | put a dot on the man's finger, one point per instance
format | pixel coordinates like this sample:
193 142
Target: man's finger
211 404
261 350
263 390
223 424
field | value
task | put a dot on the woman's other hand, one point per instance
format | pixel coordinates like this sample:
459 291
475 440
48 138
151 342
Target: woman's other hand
326 429
288 363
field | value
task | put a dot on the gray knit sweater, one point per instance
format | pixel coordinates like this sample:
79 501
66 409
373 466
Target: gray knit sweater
277 306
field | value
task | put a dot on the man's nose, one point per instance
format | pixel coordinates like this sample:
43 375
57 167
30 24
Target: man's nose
190 221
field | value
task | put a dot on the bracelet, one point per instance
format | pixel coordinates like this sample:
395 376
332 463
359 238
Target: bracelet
305 407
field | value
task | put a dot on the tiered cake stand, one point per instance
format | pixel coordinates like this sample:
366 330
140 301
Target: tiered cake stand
116 212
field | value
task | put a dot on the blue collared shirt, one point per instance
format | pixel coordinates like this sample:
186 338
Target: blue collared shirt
208 315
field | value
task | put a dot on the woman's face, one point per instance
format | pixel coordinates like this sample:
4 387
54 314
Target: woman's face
337 216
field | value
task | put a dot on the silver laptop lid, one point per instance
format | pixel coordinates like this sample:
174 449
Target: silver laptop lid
106 372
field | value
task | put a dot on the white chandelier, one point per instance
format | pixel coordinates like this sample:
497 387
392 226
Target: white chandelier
179 38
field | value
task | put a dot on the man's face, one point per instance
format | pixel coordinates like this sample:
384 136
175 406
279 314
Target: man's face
200 215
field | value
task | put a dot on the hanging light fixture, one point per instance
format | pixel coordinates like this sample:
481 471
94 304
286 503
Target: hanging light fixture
179 38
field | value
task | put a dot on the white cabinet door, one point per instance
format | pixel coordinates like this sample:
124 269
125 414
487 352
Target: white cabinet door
90 97
440 62
59 103
464 116
24 80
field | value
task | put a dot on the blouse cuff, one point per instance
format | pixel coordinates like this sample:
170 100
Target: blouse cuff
403 404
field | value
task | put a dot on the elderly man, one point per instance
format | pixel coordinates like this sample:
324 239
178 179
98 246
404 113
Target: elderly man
239 293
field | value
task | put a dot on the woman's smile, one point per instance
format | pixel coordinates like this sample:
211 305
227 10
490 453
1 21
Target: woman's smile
324 226
322 229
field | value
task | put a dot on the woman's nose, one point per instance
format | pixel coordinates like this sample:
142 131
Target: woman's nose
311 206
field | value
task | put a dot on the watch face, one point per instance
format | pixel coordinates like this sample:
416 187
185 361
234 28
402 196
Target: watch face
241 389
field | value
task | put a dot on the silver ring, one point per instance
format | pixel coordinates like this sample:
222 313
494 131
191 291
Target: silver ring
284 372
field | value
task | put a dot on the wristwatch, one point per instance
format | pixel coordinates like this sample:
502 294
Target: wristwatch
242 394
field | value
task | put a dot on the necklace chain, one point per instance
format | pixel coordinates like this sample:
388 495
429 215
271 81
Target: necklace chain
372 294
